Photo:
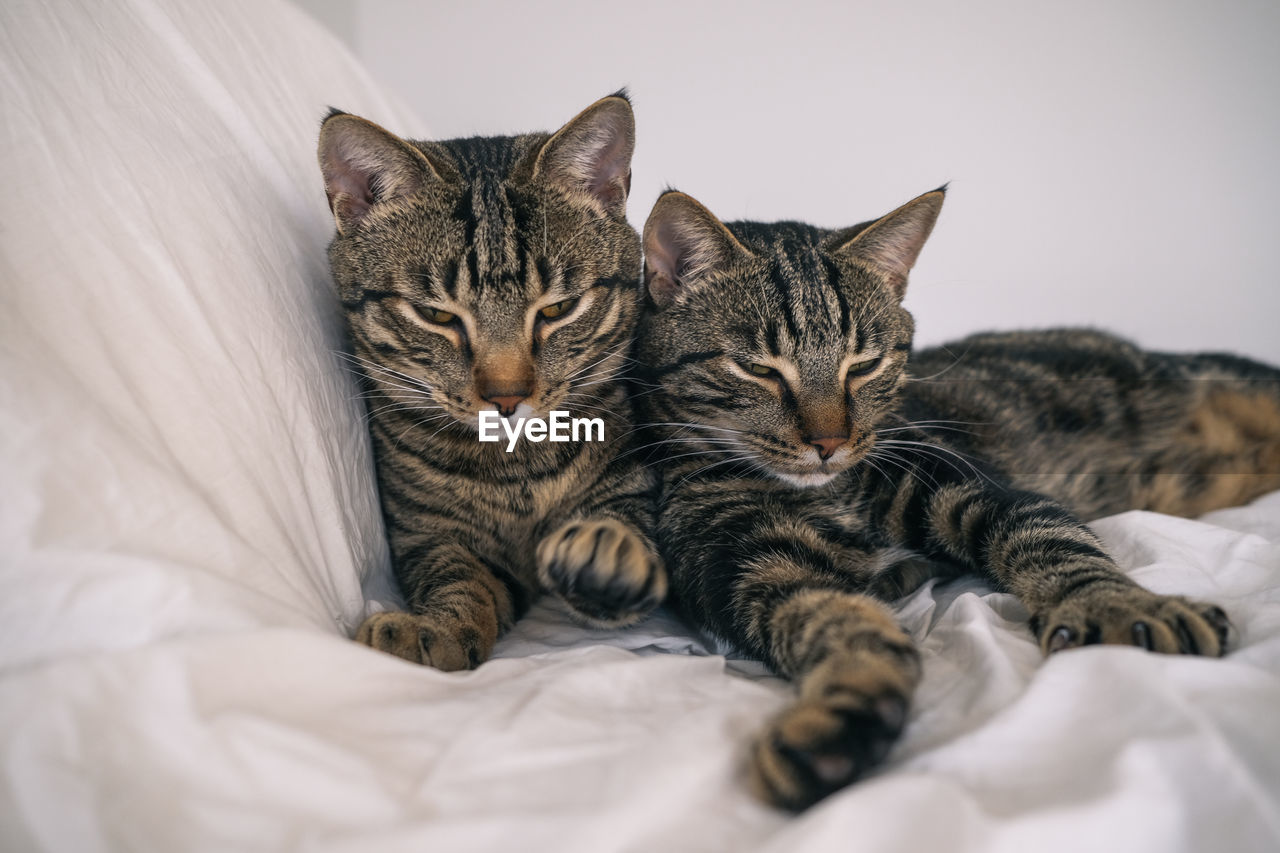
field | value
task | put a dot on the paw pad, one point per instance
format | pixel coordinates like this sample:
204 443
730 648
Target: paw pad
604 570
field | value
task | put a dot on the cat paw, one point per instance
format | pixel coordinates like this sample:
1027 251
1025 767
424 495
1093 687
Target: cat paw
1133 616
420 639
604 570
824 742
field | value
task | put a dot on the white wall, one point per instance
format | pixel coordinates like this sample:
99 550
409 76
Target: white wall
1111 163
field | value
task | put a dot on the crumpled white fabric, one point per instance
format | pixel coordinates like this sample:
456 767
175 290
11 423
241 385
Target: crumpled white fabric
188 533
580 740
181 451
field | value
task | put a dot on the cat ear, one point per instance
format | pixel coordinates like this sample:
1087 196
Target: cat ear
682 241
364 165
891 244
590 157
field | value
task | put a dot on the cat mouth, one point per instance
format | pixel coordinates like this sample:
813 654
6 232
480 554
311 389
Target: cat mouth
811 471
472 418
810 480
812 476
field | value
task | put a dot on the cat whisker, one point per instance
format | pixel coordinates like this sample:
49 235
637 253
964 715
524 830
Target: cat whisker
614 353
937 451
930 422
370 370
638 427
688 442
908 468
397 392
738 459
579 400
446 417
914 427
958 359
607 372
392 408
577 405
692 425
669 459
610 378
415 393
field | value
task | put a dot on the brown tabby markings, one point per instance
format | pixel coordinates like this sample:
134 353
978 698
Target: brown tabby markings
808 471
856 686
1230 435
495 274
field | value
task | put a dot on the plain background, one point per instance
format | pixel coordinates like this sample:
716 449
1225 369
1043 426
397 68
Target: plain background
1111 163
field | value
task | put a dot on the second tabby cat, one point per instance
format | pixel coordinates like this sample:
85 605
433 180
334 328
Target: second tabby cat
495 275
812 469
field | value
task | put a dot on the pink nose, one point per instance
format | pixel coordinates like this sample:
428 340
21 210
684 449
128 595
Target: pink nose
828 445
506 403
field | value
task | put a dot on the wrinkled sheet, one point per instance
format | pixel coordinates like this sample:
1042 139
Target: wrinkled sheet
182 450
578 740
189 534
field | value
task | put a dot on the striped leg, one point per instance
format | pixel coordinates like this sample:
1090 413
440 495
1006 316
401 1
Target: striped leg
459 607
1033 547
855 669
763 570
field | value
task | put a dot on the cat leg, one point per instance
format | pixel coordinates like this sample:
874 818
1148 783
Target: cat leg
458 608
1033 547
766 570
855 670
604 569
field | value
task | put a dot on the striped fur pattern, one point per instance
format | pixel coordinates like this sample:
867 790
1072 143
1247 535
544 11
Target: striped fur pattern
495 274
813 469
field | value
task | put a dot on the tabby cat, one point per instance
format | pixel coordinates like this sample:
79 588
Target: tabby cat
814 469
495 275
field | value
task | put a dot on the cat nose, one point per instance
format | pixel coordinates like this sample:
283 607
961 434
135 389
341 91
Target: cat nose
827 445
507 402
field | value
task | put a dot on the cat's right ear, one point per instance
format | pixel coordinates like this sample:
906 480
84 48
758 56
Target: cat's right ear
364 165
590 157
682 242
891 244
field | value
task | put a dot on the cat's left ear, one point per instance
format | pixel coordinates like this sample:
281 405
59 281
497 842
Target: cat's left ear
590 157
891 244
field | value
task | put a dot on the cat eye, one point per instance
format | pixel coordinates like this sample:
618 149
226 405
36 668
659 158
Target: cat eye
761 369
864 366
558 309
435 315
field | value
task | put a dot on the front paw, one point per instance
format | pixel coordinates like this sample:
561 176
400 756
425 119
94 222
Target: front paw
604 570
1132 616
824 742
420 639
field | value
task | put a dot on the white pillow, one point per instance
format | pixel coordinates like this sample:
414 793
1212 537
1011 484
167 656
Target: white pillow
180 450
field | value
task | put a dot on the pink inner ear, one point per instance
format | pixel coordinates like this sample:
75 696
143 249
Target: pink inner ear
611 173
592 155
668 252
663 249
893 242
898 250
349 187
660 268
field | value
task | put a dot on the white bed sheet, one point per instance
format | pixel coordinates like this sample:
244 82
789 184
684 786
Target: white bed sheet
188 535
578 740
